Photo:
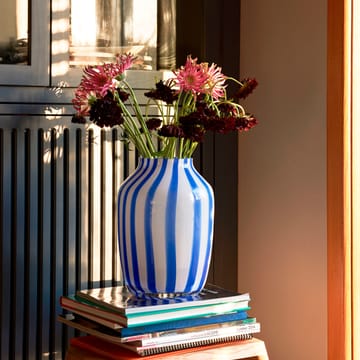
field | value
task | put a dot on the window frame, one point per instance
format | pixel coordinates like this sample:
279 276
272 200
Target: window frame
37 73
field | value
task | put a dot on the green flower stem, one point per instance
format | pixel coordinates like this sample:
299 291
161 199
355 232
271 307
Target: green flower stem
235 80
140 118
132 129
181 148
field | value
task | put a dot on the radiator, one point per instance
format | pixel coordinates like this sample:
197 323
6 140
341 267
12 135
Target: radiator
58 192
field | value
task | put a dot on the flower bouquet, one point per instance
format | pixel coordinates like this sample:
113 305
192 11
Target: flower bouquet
190 103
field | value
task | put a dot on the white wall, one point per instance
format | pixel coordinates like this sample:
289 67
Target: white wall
282 178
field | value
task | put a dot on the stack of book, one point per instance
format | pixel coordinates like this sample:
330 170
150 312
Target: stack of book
150 326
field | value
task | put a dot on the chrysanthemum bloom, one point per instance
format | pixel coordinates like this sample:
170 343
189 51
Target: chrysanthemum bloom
191 77
82 101
124 62
215 84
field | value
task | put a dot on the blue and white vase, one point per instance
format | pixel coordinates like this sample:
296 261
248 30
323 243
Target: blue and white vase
166 218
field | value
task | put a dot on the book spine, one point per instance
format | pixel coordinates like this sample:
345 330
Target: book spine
146 351
184 323
216 333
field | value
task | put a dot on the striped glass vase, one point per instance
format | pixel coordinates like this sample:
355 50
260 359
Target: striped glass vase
166 217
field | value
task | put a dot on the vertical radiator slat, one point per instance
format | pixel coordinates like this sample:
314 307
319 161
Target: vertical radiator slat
66 179
102 206
66 239
6 243
78 195
13 237
79 212
2 292
32 188
27 265
115 181
90 204
40 226
53 220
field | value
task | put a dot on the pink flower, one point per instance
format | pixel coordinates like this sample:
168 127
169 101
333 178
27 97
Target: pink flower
215 85
102 78
81 101
191 77
98 79
124 61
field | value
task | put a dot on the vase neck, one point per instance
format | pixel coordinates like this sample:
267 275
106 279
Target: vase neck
174 161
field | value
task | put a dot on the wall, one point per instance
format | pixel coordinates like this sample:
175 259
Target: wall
282 175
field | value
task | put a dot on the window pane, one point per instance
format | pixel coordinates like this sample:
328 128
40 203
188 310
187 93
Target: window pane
102 28
14 29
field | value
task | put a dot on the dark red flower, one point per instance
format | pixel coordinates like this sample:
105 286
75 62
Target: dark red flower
105 112
248 85
246 123
171 131
153 123
78 119
123 95
162 92
193 132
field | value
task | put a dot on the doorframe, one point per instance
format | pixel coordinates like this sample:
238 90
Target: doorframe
340 238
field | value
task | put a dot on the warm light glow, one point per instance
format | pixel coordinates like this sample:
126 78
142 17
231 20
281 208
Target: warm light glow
60 47
83 23
60 26
60 68
21 19
144 22
97 33
60 5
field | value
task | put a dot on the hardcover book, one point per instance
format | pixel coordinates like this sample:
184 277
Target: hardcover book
119 299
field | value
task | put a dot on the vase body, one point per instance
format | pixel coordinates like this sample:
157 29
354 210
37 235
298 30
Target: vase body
166 217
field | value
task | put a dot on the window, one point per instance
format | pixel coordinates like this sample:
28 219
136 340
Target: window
24 46
81 34
95 33
104 28
14 30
